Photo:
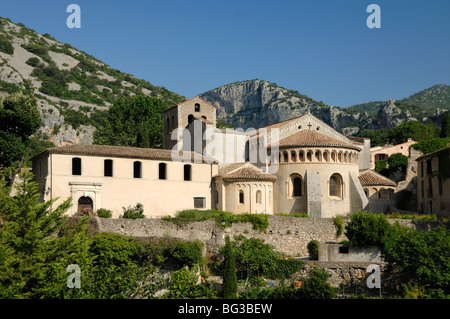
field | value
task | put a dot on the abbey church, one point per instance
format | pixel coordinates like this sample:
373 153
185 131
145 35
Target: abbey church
307 167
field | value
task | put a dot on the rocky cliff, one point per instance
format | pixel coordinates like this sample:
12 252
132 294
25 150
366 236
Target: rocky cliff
258 103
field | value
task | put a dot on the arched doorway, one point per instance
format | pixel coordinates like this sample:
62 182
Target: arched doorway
85 203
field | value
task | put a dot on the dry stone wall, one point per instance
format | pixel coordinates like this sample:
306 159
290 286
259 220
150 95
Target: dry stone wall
289 235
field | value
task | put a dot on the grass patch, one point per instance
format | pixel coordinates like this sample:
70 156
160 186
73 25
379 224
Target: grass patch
300 215
427 218
185 217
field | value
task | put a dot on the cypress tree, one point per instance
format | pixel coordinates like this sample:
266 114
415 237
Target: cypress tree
229 272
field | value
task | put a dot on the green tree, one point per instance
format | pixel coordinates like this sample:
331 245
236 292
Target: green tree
367 229
19 118
433 144
415 130
316 285
424 256
445 128
229 272
377 138
26 236
135 121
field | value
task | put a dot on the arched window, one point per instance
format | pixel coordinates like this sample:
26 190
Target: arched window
258 197
293 156
318 156
301 156
335 185
285 157
241 197
295 186
309 156
137 169
326 156
190 118
197 107
76 166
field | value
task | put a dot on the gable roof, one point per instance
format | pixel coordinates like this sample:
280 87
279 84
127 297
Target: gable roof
194 98
372 178
116 151
312 138
244 171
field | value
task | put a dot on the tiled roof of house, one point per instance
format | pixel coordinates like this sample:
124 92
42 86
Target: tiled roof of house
118 151
244 171
372 178
313 138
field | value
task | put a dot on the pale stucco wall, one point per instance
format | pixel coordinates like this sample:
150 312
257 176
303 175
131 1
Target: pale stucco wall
159 197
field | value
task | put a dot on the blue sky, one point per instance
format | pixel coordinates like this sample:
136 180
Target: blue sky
321 48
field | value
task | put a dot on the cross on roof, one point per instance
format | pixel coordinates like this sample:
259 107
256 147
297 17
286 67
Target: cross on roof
309 125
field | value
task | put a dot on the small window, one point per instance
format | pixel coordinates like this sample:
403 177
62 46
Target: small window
137 169
199 202
190 118
197 107
241 197
76 166
343 250
162 171
258 197
429 166
430 187
187 172
108 167
335 185
440 186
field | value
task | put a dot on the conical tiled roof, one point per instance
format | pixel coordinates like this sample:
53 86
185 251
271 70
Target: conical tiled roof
244 171
312 138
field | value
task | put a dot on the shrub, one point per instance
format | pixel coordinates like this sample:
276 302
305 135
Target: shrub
6 45
367 229
104 213
185 253
316 285
313 249
133 212
32 61
114 249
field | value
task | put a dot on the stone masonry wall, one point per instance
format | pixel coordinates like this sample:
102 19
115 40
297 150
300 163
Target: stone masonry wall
289 235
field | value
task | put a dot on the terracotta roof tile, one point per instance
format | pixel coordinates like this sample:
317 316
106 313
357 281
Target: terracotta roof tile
115 151
313 138
372 178
245 171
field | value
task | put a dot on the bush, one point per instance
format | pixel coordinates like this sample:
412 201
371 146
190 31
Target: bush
254 258
185 253
367 229
316 285
313 249
6 45
114 249
133 212
104 213
229 272
32 61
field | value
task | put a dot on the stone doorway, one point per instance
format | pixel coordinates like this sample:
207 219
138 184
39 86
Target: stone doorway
85 203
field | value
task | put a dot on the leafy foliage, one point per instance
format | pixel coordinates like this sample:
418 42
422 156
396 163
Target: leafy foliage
377 138
6 45
229 272
415 130
133 212
259 221
104 213
432 145
313 249
445 128
425 256
132 122
254 258
19 118
366 229
316 285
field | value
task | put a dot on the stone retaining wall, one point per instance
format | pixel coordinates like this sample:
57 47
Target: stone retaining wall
289 235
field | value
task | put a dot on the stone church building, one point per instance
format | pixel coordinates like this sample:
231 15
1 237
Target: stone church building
309 168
